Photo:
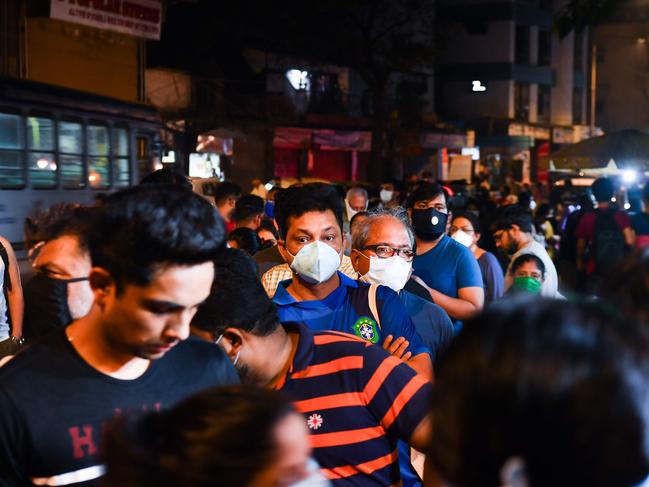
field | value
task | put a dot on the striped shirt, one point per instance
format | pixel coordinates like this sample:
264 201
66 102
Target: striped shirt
358 401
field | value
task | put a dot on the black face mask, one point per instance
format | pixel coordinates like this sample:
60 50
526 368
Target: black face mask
46 305
429 224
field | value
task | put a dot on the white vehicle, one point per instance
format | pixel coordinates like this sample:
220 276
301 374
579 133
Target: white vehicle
62 145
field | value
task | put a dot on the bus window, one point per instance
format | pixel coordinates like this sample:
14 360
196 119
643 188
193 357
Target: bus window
121 169
71 155
11 144
98 170
41 162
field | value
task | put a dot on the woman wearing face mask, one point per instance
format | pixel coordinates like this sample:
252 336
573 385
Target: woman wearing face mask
230 436
529 273
465 229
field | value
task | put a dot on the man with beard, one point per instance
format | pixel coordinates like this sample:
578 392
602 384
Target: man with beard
151 250
445 267
513 233
59 291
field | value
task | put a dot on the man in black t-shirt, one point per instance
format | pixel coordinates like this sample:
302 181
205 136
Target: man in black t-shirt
152 251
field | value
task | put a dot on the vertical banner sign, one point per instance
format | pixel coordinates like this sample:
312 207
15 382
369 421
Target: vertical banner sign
139 18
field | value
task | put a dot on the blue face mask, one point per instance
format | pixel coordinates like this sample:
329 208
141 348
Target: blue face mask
269 209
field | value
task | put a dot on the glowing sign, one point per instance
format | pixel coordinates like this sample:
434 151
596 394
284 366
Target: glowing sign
478 86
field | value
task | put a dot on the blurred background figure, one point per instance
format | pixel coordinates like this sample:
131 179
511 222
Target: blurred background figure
234 436
244 239
465 229
258 188
11 301
267 233
628 287
640 221
249 212
167 176
540 393
226 196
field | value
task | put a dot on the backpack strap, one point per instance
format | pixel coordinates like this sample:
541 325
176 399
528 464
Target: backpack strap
371 298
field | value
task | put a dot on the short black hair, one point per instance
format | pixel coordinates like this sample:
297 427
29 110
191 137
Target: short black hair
514 215
167 176
562 386
248 206
426 191
525 258
267 224
60 220
138 230
603 189
226 190
246 240
297 200
237 299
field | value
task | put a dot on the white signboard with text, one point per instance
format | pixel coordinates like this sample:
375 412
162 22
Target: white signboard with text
139 18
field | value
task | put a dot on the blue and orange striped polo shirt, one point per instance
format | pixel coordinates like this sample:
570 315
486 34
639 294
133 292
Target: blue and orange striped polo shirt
358 401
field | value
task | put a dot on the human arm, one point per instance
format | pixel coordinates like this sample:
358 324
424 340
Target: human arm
397 397
15 301
629 237
401 337
470 301
581 254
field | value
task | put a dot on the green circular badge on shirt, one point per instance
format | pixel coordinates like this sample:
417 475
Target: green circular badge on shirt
366 329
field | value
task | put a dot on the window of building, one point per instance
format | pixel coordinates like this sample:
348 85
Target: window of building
543 103
40 161
522 101
71 155
98 168
545 48
121 171
11 145
522 45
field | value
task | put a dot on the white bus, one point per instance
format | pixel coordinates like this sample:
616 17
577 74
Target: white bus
58 144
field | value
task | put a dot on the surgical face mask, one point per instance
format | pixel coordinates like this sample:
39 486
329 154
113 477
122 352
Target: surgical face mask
429 224
316 262
462 237
393 272
527 284
314 478
46 300
386 195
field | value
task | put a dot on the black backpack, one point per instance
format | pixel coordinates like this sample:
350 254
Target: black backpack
608 246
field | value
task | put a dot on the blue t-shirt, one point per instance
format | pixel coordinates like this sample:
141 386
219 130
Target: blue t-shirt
492 274
347 310
431 322
447 267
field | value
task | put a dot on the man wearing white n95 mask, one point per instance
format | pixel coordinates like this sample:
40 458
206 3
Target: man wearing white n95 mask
382 253
321 297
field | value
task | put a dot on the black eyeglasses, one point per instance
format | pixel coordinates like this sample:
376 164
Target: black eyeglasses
384 251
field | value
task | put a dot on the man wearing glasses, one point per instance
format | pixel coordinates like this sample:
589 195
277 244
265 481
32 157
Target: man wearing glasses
382 253
321 297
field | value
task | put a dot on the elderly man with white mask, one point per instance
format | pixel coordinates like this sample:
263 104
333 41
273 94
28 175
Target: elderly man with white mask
382 253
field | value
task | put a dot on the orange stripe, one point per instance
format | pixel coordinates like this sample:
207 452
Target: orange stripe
379 376
347 437
348 335
401 400
364 468
325 339
334 366
330 402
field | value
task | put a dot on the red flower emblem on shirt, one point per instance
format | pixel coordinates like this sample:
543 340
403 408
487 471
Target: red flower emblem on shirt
314 422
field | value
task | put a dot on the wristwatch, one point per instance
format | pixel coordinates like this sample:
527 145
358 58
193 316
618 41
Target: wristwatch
19 341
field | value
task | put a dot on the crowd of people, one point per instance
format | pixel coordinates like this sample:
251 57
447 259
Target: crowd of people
410 334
